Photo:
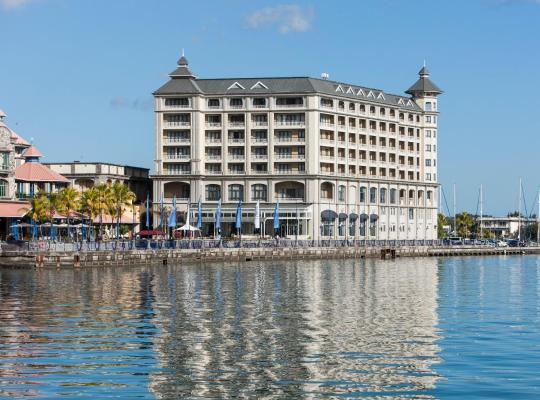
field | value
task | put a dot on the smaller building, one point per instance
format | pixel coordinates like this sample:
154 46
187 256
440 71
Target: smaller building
505 227
32 176
83 175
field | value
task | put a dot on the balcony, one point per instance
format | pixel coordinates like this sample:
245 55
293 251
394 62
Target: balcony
237 124
212 141
176 141
290 156
213 172
213 157
237 141
259 140
176 157
290 139
259 157
178 172
259 172
291 123
213 124
327 125
260 123
285 199
176 124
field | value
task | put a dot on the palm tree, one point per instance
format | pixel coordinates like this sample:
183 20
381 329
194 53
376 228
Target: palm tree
90 203
68 201
122 197
104 195
464 224
38 211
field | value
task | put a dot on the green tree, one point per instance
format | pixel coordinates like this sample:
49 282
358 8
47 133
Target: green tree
122 197
68 202
38 210
90 203
464 224
442 221
104 193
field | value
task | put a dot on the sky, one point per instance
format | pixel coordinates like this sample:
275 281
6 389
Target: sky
77 76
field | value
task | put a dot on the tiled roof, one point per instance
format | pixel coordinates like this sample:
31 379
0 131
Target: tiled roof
32 151
13 209
36 172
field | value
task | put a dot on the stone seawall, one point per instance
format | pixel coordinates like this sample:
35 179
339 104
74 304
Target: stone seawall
33 259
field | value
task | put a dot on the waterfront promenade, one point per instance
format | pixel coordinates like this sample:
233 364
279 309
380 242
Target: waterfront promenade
163 252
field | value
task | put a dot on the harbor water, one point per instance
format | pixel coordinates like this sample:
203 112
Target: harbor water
464 327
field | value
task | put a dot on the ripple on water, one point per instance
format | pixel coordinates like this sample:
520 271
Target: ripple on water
417 328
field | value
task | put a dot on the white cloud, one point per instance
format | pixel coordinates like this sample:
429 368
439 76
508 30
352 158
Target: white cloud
12 4
287 18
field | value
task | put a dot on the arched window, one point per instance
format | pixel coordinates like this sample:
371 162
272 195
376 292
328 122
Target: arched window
382 196
341 193
363 194
258 192
411 194
236 192
428 106
213 192
392 196
327 190
372 195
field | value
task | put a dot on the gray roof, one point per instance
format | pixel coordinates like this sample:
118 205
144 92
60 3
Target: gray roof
424 84
183 84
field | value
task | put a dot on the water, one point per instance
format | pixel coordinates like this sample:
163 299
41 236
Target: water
410 328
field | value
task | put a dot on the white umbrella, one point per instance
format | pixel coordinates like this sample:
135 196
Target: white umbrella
257 216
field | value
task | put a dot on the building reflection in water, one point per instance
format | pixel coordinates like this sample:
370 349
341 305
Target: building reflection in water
302 329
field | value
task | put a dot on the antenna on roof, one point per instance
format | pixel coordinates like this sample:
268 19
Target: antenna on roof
325 75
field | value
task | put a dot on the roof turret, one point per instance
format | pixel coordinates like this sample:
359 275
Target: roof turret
424 86
182 71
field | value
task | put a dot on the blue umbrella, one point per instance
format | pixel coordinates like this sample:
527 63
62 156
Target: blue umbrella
239 216
218 216
148 211
34 229
172 216
276 216
15 231
199 214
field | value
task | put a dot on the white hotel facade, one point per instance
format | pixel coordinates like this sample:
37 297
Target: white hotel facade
342 160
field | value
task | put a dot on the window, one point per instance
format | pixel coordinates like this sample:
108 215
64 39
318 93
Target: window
4 160
258 192
428 176
428 147
428 106
3 188
236 193
434 147
392 196
429 194
362 194
411 213
372 195
434 134
341 193
213 103
434 162
428 119
428 133
236 103
213 192
428 162
382 196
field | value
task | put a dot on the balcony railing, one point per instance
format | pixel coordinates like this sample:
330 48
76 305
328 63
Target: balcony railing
213 140
213 172
291 123
177 140
213 156
178 172
259 156
177 156
259 140
170 124
237 124
213 124
237 141
260 123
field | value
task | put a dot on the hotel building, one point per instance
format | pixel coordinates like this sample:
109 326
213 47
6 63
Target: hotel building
342 160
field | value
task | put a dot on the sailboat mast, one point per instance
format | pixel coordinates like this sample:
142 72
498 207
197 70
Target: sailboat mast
519 212
455 225
538 220
481 210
